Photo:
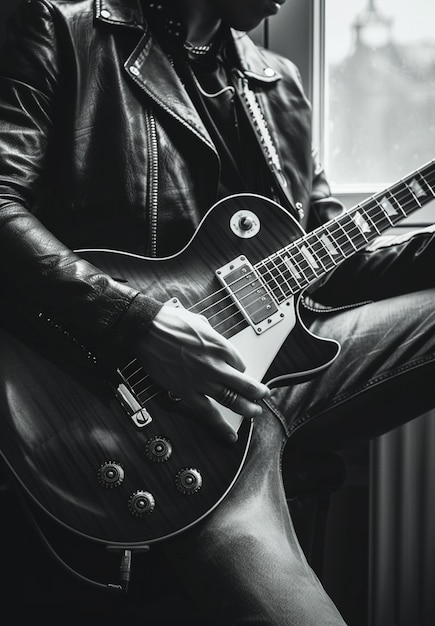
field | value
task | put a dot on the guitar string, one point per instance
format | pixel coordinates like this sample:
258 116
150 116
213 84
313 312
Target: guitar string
382 213
380 210
153 386
323 256
362 208
255 276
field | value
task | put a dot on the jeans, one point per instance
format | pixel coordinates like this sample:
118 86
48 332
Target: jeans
243 563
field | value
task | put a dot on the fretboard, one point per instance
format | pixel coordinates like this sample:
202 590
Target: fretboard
307 259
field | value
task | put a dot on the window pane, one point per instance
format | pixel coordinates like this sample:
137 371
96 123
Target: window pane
380 89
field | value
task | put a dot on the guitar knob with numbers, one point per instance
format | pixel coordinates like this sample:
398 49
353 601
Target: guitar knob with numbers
110 474
188 481
141 503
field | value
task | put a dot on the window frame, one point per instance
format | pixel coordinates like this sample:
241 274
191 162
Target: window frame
349 194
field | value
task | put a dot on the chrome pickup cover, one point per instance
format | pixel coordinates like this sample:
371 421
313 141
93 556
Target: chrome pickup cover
250 293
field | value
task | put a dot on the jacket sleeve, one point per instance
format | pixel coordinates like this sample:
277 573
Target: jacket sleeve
391 265
37 270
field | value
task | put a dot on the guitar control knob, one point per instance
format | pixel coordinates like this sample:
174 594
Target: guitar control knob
158 449
110 474
141 503
246 222
188 481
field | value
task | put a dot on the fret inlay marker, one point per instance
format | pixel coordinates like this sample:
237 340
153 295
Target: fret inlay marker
292 268
417 188
328 245
361 223
309 257
388 207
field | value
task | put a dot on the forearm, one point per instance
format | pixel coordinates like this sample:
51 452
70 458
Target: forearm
45 275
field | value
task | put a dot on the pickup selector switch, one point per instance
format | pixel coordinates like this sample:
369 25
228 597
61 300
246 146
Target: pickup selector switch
188 481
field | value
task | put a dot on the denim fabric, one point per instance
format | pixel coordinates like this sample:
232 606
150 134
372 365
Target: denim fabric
381 378
244 563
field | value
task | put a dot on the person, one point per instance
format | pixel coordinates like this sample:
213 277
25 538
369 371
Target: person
122 123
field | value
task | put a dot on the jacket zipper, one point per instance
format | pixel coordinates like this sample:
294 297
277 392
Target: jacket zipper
153 182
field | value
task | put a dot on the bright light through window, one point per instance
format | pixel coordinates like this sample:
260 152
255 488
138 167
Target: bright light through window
379 89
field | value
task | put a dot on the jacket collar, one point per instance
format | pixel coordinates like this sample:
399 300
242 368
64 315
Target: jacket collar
251 61
119 12
129 13
151 69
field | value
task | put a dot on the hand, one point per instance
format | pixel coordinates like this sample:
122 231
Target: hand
185 355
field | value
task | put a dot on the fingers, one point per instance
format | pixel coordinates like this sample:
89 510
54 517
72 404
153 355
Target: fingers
226 351
239 404
242 384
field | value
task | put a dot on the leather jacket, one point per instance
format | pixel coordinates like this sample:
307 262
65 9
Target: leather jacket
99 141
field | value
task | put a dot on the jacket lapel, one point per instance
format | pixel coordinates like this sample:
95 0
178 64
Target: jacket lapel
150 68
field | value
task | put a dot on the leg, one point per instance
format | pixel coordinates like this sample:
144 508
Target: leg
383 377
244 563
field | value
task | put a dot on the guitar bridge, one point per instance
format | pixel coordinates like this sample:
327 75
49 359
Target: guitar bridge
250 294
137 413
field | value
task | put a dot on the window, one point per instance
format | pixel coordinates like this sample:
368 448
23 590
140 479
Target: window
378 102
368 67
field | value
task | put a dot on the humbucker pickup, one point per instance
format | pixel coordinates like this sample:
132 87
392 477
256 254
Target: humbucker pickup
250 293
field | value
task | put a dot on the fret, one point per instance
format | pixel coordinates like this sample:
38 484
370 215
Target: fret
307 259
284 280
361 227
370 219
387 210
405 193
329 246
323 249
417 191
340 223
299 262
302 259
295 274
312 255
411 190
270 273
334 224
431 189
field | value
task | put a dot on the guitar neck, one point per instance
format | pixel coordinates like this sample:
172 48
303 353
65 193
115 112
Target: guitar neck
307 259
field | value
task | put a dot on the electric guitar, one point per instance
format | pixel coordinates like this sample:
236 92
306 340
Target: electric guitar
114 458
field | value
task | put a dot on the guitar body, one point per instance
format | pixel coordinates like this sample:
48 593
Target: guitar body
61 422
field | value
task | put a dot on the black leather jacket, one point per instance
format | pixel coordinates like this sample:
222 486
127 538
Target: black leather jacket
99 140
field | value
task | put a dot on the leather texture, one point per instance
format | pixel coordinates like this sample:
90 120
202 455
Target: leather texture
101 147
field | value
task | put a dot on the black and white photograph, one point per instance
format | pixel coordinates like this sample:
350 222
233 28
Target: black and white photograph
217 313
